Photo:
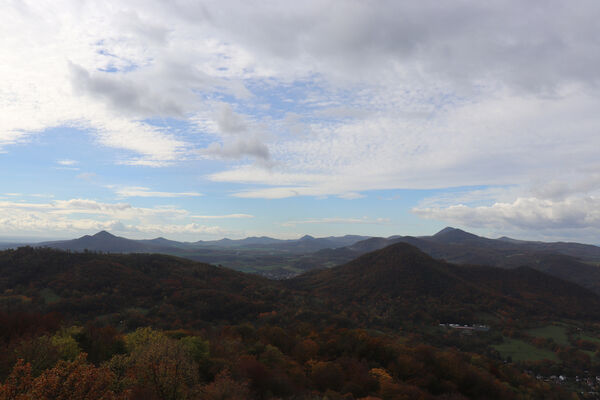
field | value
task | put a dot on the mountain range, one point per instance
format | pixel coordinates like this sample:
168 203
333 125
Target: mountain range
106 242
575 262
384 287
437 326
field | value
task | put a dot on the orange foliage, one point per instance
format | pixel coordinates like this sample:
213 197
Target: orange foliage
68 380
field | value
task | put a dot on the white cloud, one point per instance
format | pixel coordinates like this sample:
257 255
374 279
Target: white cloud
420 88
140 191
527 214
326 98
331 220
67 163
226 216
80 216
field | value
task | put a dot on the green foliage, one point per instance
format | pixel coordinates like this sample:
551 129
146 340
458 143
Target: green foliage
64 341
40 353
165 366
198 348
142 337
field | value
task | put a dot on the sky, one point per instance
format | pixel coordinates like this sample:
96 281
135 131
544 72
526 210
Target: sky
197 120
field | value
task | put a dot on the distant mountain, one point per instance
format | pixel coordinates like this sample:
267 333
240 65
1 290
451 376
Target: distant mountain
162 243
253 240
582 251
578 263
101 241
453 235
106 242
10 245
306 244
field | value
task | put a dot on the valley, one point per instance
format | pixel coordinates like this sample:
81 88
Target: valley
385 312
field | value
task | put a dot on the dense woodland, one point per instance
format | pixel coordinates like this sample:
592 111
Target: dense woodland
103 326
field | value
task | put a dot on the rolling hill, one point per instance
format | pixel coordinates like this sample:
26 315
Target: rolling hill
396 283
366 328
401 280
134 288
457 246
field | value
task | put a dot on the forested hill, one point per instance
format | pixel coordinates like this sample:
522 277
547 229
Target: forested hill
390 285
135 288
364 330
573 262
404 278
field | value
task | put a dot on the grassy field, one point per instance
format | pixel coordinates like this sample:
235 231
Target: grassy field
519 350
556 332
586 336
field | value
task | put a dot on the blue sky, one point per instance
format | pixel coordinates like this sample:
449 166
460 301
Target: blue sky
200 120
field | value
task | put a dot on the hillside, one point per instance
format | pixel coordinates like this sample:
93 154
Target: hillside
397 283
457 246
366 328
400 280
135 288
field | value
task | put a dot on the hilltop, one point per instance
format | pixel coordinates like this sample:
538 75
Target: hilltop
575 262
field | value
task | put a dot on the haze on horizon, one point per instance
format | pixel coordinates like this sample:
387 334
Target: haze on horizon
201 120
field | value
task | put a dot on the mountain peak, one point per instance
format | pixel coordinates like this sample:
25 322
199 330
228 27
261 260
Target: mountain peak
103 234
454 234
307 237
447 230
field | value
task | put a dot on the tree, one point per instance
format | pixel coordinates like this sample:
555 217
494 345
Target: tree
18 382
224 388
165 366
68 380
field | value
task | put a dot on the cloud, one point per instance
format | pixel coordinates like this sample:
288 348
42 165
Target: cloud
67 163
226 216
86 176
139 191
170 229
528 214
79 216
238 149
363 220
526 46
332 98
121 94
228 121
500 140
239 138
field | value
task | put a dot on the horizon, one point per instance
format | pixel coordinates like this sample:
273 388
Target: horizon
200 121
25 241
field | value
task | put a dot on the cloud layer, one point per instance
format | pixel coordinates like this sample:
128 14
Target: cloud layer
323 98
78 216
